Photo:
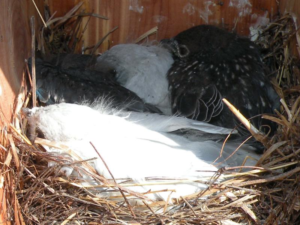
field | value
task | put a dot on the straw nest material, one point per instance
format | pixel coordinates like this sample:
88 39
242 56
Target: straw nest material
268 194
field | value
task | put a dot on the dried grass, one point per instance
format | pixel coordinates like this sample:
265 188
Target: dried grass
269 194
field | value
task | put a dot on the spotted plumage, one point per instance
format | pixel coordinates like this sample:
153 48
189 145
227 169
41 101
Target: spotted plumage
211 64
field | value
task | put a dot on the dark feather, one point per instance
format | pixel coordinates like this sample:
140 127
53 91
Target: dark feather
211 64
69 78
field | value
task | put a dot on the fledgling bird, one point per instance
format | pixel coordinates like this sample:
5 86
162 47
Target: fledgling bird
141 69
138 151
70 78
211 64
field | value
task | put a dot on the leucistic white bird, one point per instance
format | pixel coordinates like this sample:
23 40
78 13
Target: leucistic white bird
139 151
141 69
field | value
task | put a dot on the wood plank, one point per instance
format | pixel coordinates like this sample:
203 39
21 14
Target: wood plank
135 17
292 7
14 48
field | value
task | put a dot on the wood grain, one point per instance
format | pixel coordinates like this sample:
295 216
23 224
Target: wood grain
292 7
14 49
135 17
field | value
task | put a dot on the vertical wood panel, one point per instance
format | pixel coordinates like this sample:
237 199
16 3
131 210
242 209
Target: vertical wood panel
292 7
135 17
14 48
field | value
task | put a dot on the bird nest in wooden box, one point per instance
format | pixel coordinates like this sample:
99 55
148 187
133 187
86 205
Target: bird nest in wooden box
268 194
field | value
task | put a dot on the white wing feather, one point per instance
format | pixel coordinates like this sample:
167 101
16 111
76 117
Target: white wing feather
132 150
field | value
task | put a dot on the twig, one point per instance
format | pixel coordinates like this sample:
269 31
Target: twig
270 179
188 204
14 152
68 15
167 202
256 171
45 185
21 135
270 150
68 219
101 41
129 206
84 29
93 15
286 109
162 222
232 152
37 9
28 73
253 130
148 33
238 202
223 146
32 22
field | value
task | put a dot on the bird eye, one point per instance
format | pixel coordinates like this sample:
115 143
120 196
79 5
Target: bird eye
183 51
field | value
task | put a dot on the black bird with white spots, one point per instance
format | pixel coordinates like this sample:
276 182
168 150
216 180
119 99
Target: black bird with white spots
211 64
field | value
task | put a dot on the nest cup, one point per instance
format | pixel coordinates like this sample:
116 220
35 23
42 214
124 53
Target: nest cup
33 193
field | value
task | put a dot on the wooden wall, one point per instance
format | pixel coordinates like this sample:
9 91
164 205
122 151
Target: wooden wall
14 49
135 17
293 7
290 6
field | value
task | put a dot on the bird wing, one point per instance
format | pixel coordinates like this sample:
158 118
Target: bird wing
193 93
56 84
162 123
130 150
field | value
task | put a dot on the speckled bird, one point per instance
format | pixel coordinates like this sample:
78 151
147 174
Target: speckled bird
71 78
211 64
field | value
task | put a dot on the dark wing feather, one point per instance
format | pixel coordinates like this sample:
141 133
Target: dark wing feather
193 95
56 84
219 64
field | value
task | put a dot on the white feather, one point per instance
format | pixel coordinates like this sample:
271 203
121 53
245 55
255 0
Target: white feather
143 70
132 150
163 123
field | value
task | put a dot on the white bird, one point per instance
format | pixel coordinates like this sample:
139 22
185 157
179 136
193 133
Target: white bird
138 151
141 69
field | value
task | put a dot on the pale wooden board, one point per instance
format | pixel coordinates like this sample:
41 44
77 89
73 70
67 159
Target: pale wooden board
15 47
135 17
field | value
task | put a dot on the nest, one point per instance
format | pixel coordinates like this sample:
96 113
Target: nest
268 194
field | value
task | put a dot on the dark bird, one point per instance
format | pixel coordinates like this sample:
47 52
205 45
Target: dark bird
211 64
71 78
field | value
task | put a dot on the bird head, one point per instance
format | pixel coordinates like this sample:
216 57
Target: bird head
173 46
203 39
